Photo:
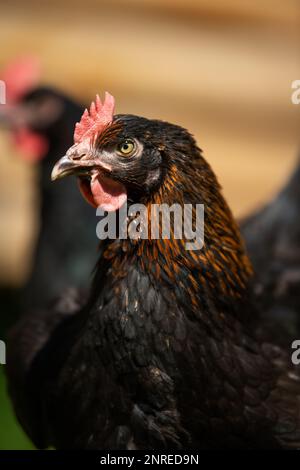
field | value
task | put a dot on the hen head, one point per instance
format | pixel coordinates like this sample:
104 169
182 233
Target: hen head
119 158
125 157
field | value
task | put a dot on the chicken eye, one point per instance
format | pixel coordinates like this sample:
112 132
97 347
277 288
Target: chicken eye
127 147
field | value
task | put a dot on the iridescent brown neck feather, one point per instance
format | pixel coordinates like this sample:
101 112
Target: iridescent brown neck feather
220 270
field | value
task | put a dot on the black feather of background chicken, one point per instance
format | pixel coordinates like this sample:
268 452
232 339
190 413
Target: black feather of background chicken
272 237
164 353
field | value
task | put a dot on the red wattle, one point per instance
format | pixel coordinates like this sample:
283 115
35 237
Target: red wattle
103 192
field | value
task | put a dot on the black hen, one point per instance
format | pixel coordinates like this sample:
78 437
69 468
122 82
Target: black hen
164 354
42 123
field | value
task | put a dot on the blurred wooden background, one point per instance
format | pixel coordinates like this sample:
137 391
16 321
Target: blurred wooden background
223 69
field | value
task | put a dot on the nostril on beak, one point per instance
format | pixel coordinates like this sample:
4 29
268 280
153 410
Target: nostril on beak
78 156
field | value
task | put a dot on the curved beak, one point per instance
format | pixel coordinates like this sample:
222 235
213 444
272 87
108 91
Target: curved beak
70 165
16 116
64 167
78 161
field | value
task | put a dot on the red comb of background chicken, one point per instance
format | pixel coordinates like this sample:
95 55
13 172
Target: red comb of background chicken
20 77
94 121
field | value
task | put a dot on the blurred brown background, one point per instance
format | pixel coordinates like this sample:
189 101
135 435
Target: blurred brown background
223 69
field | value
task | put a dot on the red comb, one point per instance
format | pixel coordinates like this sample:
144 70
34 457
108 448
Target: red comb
20 77
94 121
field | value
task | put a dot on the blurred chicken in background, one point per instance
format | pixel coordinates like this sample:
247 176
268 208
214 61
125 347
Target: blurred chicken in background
41 121
272 237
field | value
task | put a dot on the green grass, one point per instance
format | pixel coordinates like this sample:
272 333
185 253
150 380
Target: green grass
11 435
